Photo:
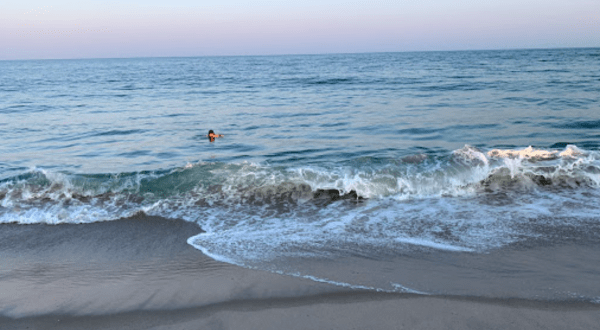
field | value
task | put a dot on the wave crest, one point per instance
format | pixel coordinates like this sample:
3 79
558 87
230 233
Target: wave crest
40 195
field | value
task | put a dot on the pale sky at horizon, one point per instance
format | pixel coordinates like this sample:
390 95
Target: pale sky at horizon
34 29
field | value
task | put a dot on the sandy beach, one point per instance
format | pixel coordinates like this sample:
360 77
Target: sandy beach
95 277
336 311
349 310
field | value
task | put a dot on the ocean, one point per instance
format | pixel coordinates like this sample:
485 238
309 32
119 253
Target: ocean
468 173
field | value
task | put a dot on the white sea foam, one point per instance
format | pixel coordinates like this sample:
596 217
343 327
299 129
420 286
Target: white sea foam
431 244
572 151
396 287
529 153
446 210
402 288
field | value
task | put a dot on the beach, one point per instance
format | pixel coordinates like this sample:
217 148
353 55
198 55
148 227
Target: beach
91 276
417 190
344 311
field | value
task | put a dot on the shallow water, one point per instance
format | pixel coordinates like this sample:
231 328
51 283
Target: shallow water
408 172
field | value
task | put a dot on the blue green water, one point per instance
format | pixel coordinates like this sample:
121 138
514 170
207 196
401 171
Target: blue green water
116 115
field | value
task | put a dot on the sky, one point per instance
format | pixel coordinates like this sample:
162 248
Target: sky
64 29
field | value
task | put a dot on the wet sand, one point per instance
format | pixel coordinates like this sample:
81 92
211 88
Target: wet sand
140 273
350 310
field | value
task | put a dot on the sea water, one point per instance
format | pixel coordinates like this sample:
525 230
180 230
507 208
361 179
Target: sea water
455 173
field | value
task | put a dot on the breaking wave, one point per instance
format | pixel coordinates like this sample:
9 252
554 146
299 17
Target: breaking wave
262 216
43 196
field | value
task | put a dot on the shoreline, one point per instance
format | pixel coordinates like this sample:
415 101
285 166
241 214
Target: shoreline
140 273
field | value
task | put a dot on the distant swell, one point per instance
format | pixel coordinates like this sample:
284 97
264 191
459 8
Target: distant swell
579 125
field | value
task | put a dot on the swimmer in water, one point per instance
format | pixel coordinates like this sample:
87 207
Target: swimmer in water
211 136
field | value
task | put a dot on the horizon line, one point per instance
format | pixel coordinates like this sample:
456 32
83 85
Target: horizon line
303 54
